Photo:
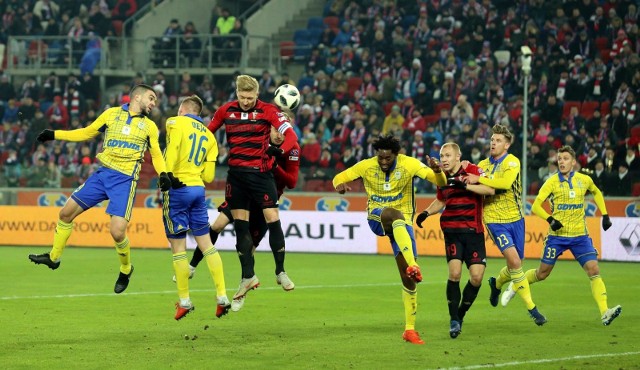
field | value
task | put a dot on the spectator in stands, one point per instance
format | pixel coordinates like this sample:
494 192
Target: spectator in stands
45 10
633 161
7 90
27 111
620 183
124 9
234 41
344 36
98 21
10 112
311 150
225 22
393 122
57 114
12 168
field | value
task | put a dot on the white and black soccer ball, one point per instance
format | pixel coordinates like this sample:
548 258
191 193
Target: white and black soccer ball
287 97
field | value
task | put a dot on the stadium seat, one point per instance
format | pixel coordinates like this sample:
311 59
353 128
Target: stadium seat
588 107
37 52
605 108
442 105
388 106
357 186
353 84
635 131
635 191
316 23
534 187
332 22
431 119
314 185
566 109
301 35
302 50
408 20
602 43
286 50
314 35
605 54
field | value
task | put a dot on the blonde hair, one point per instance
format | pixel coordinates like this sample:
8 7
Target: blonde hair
503 130
247 83
194 104
455 146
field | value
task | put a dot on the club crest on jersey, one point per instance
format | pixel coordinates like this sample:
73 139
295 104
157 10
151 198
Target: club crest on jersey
141 124
398 175
126 130
255 115
244 115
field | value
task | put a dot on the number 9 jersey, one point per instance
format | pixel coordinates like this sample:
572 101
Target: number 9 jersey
191 151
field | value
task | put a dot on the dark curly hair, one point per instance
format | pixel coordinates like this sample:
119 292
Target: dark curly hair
388 142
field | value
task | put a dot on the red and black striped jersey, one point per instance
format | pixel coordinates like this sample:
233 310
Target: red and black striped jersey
463 208
248 133
286 173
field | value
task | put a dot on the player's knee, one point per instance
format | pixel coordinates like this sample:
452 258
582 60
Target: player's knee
455 276
476 280
276 236
118 234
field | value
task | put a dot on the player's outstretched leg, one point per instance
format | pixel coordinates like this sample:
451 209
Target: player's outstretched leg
123 281
495 292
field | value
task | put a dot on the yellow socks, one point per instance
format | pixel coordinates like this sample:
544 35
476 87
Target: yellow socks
403 239
599 292
62 233
214 263
124 254
503 277
181 269
531 276
521 286
410 301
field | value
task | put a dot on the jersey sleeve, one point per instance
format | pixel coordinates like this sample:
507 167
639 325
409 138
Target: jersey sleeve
85 133
218 119
172 149
209 171
510 173
440 194
422 171
354 172
281 122
154 149
474 169
597 195
543 194
288 174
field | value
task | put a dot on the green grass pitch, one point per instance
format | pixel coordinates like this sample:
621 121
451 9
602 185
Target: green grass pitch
345 313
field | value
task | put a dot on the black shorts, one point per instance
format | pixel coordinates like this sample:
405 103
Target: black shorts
244 187
467 247
257 224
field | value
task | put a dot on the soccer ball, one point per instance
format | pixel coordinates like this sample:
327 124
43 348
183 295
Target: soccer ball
287 97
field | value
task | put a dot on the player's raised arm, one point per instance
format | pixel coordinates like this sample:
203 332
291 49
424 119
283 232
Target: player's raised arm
340 180
290 176
433 173
80 134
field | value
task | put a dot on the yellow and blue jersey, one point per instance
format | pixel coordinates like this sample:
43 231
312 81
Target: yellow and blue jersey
566 196
126 138
191 150
502 174
393 188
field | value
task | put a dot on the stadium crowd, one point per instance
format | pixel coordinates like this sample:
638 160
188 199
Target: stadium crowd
427 71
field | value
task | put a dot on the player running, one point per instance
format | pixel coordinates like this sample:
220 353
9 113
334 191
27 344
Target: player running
568 230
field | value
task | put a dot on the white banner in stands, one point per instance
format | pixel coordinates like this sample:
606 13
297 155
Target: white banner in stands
622 241
311 231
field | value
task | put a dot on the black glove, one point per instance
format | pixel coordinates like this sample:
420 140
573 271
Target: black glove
606 222
164 182
456 184
555 224
46 135
421 217
274 151
175 182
